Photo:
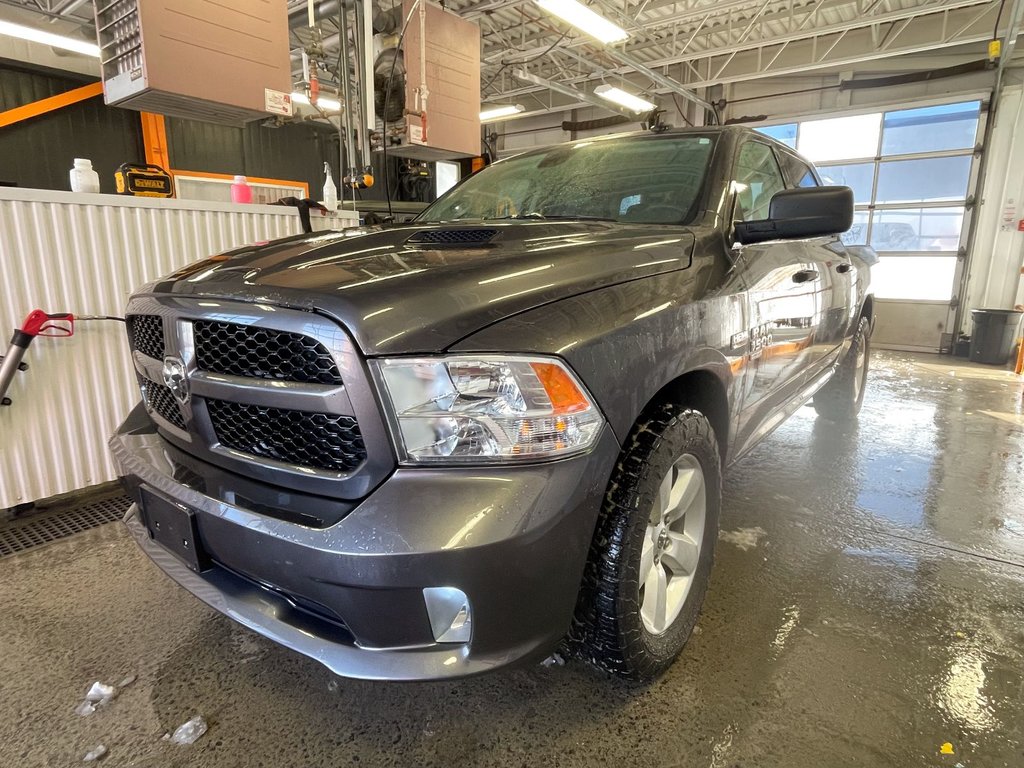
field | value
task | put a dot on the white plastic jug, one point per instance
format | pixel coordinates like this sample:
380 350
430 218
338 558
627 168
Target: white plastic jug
83 177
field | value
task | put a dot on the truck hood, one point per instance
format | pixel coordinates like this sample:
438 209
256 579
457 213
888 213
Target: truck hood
396 296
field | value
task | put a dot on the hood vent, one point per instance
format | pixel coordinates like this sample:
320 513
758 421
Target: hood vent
453 238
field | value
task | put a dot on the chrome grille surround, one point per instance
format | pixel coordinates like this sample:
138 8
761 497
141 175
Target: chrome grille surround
356 454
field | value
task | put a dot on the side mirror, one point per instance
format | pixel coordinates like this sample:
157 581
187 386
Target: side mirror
801 212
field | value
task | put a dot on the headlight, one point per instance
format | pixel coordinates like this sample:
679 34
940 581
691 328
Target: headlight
488 409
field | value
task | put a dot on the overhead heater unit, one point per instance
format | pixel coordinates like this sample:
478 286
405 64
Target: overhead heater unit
199 59
432 108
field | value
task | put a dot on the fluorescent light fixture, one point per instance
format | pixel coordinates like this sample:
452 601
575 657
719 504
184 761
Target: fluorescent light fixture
328 105
494 113
623 98
584 19
34 35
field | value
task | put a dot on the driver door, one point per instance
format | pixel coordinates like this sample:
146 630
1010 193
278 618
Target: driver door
784 297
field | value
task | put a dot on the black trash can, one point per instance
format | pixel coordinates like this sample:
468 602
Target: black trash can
995 334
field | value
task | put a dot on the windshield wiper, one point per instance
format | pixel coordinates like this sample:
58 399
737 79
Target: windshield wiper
541 216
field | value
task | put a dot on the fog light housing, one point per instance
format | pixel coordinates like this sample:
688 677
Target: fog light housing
451 618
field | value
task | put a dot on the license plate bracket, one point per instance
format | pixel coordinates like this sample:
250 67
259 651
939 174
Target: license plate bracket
174 527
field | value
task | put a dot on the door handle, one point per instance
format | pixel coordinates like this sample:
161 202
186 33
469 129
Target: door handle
805 275
842 268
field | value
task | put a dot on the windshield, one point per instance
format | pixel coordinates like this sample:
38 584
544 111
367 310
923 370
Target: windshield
649 180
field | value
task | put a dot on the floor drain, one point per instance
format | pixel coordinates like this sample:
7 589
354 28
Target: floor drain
51 525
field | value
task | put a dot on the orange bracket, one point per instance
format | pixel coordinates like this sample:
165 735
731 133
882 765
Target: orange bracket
154 139
50 104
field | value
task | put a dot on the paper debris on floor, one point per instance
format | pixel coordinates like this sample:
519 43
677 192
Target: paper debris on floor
95 754
98 695
189 732
100 692
744 538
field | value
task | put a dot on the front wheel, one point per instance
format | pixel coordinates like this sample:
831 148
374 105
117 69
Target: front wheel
841 399
652 551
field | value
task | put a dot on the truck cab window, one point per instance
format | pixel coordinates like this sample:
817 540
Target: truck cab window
756 179
797 172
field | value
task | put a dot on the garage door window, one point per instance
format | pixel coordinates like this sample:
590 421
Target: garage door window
910 171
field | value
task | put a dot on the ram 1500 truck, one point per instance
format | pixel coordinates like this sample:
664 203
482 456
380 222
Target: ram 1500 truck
431 450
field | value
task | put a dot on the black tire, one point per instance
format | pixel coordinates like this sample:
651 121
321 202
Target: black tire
840 400
608 630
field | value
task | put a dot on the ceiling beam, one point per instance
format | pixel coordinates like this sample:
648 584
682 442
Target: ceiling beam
847 42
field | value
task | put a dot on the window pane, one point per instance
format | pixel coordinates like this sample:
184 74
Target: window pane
917 229
757 178
858 176
784 133
926 278
840 138
923 181
796 171
858 233
930 129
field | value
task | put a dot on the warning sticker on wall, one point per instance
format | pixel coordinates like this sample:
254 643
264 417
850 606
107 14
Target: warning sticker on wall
1009 215
277 102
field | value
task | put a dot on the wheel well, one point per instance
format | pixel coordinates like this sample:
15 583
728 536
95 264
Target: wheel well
705 392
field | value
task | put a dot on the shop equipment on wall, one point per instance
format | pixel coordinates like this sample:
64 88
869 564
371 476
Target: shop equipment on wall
199 59
432 109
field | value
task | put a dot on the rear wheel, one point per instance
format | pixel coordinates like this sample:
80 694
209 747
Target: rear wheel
651 556
841 399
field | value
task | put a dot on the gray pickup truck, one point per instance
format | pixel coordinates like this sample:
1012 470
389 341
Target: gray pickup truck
432 450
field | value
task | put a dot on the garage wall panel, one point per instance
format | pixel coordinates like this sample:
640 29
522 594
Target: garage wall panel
39 152
85 254
997 254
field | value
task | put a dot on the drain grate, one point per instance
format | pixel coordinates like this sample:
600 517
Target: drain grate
51 525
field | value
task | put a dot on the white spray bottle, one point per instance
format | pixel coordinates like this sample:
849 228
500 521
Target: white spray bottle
330 200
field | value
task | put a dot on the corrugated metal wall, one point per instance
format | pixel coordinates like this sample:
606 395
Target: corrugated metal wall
86 259
38 153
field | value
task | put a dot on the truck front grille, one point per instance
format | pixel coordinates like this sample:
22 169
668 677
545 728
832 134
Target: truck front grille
147 335
162 403
266 398
319 440
262 353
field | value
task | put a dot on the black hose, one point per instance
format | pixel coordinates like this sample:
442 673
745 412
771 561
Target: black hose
591 125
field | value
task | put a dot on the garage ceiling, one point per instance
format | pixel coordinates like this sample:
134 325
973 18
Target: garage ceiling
697 43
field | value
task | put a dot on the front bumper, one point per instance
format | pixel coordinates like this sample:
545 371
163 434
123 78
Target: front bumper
513 539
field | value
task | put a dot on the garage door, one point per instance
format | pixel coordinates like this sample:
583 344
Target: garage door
912 171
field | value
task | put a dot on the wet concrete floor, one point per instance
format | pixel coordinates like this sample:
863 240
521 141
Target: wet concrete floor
866 608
